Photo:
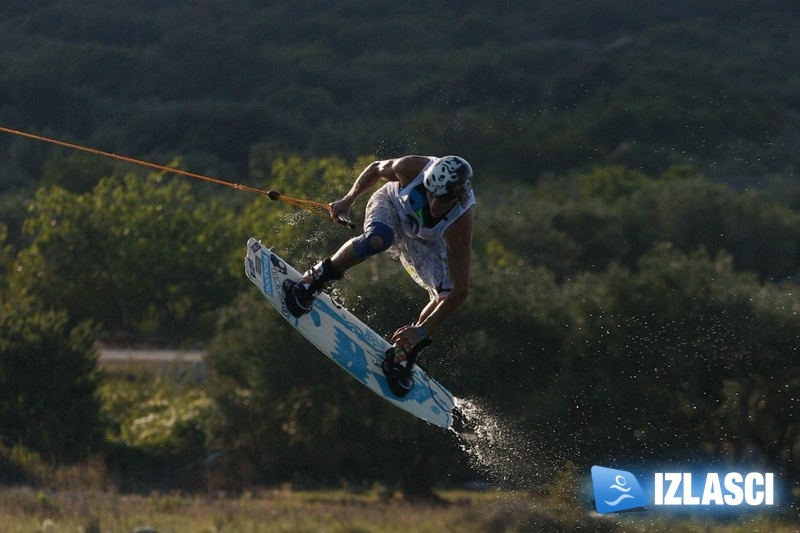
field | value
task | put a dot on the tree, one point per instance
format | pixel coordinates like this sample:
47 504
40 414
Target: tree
6 255
299 236
133 253
610 183
678 359
692 212
291 413
48 383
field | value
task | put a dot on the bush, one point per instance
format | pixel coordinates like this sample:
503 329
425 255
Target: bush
48 383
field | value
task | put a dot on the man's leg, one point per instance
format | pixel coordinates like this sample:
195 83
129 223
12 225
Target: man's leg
378 236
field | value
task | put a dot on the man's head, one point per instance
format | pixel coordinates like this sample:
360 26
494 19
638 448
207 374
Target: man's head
448 178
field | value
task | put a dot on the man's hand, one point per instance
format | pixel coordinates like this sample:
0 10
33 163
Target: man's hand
340 209
407 337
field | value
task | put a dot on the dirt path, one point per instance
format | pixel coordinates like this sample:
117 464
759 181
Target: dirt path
150 356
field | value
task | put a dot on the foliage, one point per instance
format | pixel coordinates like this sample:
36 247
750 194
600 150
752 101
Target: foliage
634 286
158 413
6 256
128 251
656 353
616 304
610 184
693 212
527 89
22 511
48 383
158 427
306 407
599 264
319 179
609 280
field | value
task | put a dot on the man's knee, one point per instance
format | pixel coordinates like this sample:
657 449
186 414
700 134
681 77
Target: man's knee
377 238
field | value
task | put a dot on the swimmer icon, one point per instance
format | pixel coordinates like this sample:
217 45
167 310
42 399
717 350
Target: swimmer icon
616 490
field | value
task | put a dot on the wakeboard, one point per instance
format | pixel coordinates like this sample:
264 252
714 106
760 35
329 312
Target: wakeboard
346 340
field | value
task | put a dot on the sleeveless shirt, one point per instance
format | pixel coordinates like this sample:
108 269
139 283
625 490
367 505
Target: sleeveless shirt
411 203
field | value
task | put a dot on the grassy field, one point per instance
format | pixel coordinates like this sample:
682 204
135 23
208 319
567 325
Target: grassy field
85 499
25 511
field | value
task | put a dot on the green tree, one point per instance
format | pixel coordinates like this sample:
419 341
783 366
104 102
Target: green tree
299 236
48 383
6 256
609 184
755 412
133 253
563 234
293 414
655 358
76 172
157 426
693 212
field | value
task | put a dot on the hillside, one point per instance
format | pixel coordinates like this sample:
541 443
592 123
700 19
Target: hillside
524 89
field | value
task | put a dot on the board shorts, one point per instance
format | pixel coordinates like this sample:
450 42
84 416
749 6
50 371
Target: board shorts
424 260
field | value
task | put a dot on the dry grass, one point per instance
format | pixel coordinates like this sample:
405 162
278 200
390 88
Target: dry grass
27 511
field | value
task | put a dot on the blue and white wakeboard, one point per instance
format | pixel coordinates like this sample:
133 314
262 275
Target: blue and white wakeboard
345 339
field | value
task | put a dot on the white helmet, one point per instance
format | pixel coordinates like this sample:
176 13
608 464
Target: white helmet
445 175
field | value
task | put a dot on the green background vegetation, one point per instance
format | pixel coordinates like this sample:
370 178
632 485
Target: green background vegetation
634 294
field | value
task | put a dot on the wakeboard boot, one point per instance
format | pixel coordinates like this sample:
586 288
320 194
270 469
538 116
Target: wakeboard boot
398 367
299 295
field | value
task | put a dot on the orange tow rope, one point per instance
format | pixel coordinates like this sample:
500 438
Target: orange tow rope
314 207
